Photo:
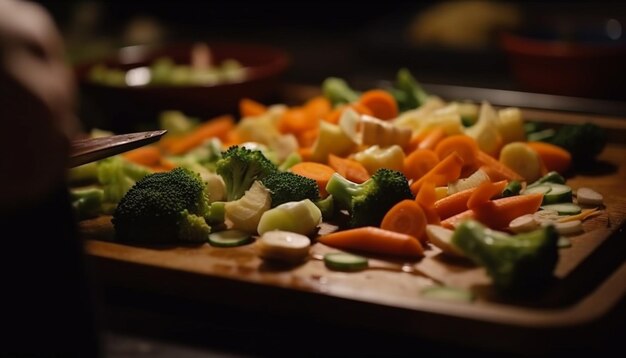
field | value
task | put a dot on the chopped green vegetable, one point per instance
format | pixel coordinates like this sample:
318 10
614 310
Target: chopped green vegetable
327 207
217 212
87 202
338 92
240 167
164 207
583 141
517 264
551 177
563 209
117 176
83 174
176 123
512 188
291 160
369 201
286 186
413 93
229 238
345 262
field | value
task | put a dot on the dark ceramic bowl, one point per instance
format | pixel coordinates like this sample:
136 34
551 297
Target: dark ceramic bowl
587 64
124 108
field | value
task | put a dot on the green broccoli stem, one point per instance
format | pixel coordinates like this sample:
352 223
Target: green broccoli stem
217 212
327 207
338 91
415 94
87 202
518 264
343 190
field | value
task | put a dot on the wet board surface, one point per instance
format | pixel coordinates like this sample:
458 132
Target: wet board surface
590 277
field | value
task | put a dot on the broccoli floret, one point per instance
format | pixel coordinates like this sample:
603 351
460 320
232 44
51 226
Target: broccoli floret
240 167
517 264
286 186
368 202
164 207
583 141
337 91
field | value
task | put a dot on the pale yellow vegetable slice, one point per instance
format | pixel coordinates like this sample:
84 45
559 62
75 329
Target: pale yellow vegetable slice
524 223
283 246
569 227
442 238
245 213
586 196
331 139
472 181
375 157
522 159
378 132
485 130
546 216
301 217
511 125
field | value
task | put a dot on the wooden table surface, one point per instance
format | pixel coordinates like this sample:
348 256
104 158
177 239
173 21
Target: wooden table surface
591 278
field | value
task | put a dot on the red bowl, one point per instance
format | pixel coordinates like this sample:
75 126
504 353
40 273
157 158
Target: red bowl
126 108
584 69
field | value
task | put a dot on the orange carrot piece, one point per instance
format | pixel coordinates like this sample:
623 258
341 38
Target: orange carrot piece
552 156
319 172
426 196
416 139
305 153
374 240
431 139
445 171
497 214
360 108
381 103
232 138
406 217
349 169
296 120
496 170
251 108
149 156
453 204
216 127
464 145
308 137
317 107
419 162
484 192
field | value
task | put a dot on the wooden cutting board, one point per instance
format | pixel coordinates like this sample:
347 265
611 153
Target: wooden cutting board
590 278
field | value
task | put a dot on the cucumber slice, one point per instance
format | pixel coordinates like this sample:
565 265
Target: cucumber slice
563 209
541 189
229 238
448 293
559 193
345 262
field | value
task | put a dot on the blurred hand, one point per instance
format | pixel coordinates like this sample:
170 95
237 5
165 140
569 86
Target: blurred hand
36 104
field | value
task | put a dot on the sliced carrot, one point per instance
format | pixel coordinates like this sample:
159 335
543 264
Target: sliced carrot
374 240
431 139
426 198
149 156
305 153
317 107
217 127
419 162
464 145
497 214
484 192
381 103
349 169
552 156
308 137
496 170
319 172
444 172
296 120
416 139
232 138
406 217
453 204
251 108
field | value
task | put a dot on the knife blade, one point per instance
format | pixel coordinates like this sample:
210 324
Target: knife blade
83 151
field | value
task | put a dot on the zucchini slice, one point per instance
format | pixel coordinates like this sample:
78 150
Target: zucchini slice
229 238
341 261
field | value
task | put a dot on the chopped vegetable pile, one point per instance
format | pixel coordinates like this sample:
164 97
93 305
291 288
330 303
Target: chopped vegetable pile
398 170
